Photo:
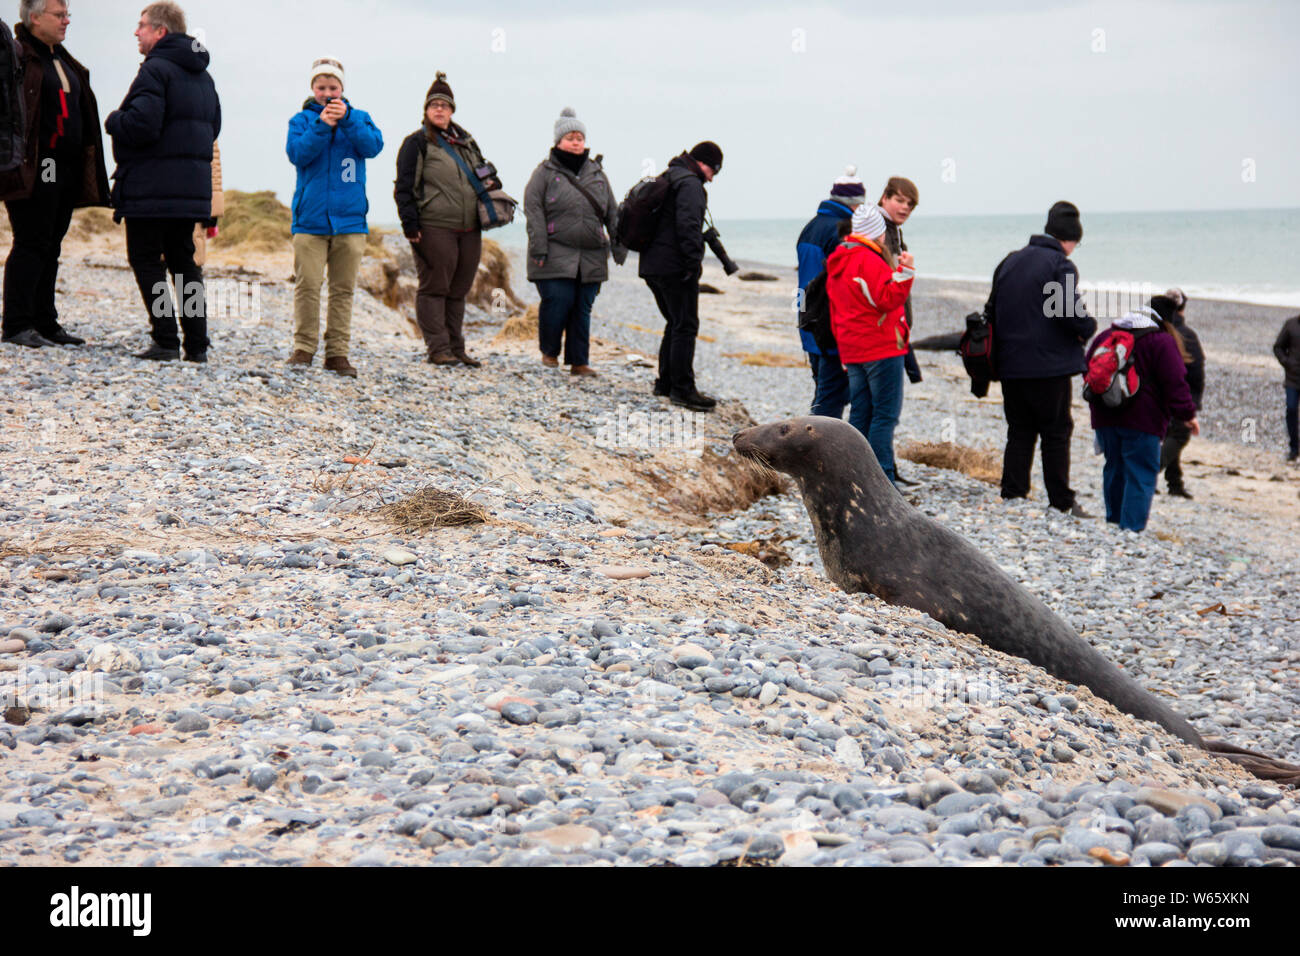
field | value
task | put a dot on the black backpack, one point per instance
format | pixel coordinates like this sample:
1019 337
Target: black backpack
815 314
13 107
638 213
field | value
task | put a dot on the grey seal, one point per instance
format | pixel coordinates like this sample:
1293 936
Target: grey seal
872 539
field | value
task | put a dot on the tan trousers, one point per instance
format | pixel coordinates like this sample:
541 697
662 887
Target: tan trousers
312 255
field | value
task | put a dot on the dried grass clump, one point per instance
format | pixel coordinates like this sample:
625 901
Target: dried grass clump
433 508
768 359
979 463
256 221
520 327
92 221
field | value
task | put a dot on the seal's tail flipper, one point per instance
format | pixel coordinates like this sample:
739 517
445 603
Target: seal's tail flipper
1261 765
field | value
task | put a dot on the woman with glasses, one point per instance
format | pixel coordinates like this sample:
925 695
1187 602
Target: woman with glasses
438 205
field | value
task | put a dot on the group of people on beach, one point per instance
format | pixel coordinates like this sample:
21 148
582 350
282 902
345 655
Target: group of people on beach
167 189
1040 331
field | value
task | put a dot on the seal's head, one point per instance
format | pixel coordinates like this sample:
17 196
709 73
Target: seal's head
804 447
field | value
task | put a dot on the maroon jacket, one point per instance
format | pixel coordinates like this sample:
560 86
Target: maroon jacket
1162 387
18 183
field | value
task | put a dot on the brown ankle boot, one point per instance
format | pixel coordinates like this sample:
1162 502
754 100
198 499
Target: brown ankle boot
341 365
585 370
299 357
550 361
467 359
443 358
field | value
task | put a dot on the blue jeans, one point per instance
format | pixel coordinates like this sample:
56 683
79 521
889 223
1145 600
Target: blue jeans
1128 480
1293 419
831 391
876 403
566 312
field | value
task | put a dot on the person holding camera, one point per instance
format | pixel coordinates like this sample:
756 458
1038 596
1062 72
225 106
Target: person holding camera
438 206
671 266
571 212
329 143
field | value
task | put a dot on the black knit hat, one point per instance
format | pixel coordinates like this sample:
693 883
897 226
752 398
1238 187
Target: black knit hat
1063 222
708 153
1165 306
440 91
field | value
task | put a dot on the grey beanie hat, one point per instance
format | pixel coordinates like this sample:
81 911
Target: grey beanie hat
569 123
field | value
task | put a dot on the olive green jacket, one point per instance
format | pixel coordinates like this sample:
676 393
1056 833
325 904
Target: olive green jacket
431 189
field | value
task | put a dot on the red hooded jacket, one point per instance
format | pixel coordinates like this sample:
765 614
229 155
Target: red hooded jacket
866 300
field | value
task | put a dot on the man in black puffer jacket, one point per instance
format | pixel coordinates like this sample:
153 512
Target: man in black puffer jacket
1040 327
162 141
671 267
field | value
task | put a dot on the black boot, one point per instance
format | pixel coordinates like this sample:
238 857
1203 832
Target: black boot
156 353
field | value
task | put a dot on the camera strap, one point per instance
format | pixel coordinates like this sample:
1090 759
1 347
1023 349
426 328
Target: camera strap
479 189
595 205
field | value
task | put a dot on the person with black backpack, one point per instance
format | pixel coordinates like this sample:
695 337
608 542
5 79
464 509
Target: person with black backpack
671 265
60 167
572 215
1136 383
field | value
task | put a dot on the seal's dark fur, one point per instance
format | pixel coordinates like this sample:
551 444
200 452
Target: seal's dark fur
872 540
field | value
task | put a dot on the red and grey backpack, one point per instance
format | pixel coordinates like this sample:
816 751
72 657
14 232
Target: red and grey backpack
1111 380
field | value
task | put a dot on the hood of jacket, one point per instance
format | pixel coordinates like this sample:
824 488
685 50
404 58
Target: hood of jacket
684 162
839 260
183 50
829 207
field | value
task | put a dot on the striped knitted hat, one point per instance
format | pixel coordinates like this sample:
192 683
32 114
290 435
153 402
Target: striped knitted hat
868 222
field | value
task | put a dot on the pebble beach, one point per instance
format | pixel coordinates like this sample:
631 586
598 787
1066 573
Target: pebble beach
217 648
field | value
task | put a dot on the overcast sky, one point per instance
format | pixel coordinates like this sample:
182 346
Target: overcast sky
989 107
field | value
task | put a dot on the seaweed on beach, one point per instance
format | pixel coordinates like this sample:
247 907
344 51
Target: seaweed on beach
985 466
432 507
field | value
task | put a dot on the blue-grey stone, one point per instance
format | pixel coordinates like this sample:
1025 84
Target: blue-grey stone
1157 854
262 777
190 721
519 713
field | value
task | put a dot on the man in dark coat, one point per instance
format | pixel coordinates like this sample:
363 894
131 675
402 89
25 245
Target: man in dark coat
62 169
162 141
1176 439
1040 326
671 266
1287 350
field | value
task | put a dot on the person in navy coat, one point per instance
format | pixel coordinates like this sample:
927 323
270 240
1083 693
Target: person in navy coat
162 141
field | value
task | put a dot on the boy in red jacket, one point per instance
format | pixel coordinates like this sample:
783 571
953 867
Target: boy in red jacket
866 295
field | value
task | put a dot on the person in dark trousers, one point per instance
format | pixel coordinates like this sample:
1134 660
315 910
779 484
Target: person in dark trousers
62 169
671 266
162 140
1130 437
898 201
572 213
819 238
1040 326
1287 350
1179 434
438 207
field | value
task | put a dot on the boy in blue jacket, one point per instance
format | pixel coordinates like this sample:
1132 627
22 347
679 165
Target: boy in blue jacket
817 241
329 141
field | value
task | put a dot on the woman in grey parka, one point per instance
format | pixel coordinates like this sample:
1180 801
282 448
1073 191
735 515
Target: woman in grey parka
571 213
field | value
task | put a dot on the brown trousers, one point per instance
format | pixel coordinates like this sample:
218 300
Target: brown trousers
446 261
